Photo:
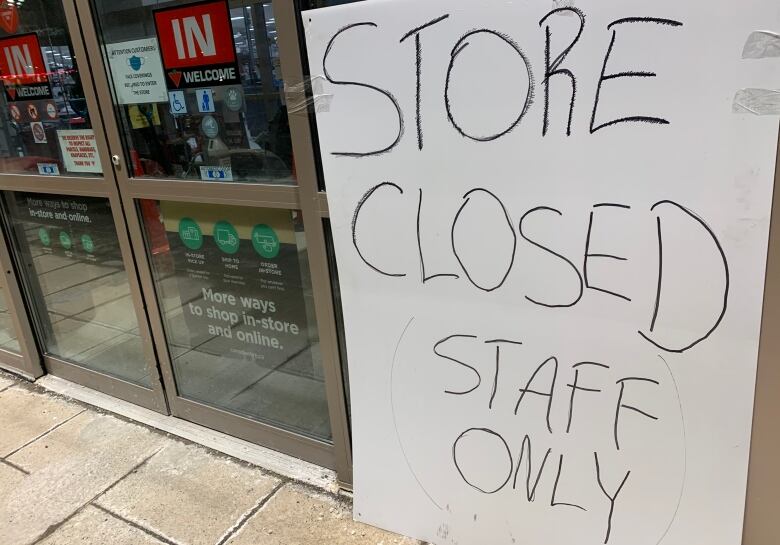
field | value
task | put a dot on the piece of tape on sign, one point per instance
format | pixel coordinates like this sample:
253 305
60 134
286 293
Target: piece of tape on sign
560 4
757 102
762 44
308 96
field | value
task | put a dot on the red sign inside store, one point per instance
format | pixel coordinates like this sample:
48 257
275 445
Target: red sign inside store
23 69
196 43
9 18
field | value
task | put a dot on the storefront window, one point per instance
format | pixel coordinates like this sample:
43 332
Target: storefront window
198 89
75 280
236 297
8 339
44 126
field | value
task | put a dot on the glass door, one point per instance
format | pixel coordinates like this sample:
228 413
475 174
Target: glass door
18 351
62 211
219 186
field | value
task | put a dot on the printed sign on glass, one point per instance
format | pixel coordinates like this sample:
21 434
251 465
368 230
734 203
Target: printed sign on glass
79 151
216 174
48 169
236 280
177 102
23 68
9 18
32 111
51 110
205 100
196 42
39 134
137 71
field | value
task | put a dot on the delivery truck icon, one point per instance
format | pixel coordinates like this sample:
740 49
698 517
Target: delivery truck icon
226 238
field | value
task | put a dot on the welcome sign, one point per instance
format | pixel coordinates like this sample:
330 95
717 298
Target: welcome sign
23 68
196 42
551 228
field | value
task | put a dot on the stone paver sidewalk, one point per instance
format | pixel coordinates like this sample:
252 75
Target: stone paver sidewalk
70 474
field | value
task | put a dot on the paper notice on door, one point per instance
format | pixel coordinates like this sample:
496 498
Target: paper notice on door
79 151
137 71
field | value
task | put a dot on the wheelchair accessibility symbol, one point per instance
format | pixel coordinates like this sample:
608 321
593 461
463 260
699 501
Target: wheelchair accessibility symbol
177 102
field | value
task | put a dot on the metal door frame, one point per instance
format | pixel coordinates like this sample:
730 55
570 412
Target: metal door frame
304 197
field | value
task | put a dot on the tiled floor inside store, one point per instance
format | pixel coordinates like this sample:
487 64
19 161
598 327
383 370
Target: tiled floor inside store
72 474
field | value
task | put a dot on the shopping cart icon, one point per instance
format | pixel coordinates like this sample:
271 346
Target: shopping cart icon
266 242
224 236
190 233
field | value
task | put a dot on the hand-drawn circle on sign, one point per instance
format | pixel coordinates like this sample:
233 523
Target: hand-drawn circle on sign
474 252
463 45
476 453
490 471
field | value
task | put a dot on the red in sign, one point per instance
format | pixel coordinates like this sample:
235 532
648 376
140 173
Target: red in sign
23 69
196 44
21 61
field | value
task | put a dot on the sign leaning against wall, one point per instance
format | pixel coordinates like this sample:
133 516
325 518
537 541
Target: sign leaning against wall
551 231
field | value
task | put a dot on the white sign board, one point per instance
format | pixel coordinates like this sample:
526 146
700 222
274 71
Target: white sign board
216 174
79 151
48 169
137 71
552 299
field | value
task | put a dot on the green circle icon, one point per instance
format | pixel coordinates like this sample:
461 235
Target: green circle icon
65 240
265 241
234 99
43 235
226 236
87 243
190 234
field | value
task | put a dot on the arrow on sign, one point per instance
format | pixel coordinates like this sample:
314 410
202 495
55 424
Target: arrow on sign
175 77
9 18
